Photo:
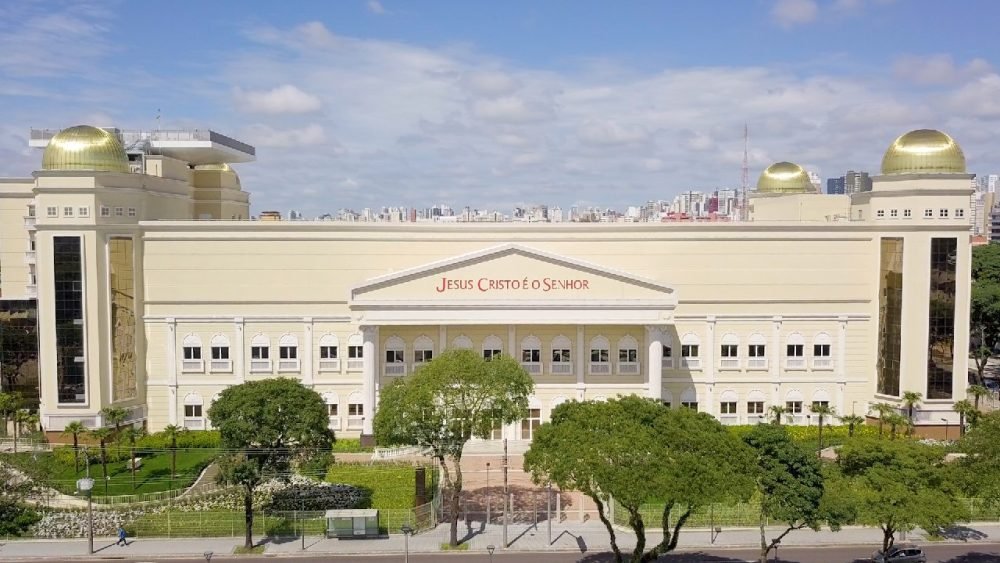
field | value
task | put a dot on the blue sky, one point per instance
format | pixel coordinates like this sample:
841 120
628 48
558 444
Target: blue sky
494 104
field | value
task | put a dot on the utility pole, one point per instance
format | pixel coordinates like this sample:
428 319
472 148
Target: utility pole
506 497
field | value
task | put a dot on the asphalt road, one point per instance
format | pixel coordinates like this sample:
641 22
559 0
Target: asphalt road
946 553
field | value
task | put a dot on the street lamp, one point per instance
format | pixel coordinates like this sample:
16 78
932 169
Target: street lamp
947 426
491 548
86 485
407 530
488 496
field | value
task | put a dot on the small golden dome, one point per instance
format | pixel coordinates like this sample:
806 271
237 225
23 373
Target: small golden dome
219 167
784 178
85 148
924 151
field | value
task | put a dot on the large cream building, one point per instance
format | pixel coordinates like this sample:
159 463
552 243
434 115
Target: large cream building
155 292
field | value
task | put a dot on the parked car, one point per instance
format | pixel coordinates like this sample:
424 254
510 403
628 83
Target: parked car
991 384
900 554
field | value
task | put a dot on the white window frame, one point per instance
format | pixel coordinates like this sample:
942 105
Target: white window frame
756 396
131 212
880 213
331 399
628 347
105 211
220 365
820 362
667 354
942 213
531 422
690 351
52 211
326 343
757 352
191 346
355 412
355 352
531 355
197 420
907 214
563 350
928 213
119 211
959 213
83 212
423 351
492 346
262 364
729 352
601 349
795 361
396 366
288 354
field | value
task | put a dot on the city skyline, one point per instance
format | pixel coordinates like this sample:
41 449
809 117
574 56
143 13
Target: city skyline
365 104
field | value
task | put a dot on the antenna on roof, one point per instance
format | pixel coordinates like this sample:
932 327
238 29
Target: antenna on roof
157 119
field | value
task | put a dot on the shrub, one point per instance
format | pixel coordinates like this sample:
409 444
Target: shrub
350 446
192 439
15 519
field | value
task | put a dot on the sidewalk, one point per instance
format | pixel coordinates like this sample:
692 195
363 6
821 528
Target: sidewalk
571 536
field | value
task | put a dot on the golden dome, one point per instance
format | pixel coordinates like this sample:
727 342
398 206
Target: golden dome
85 148
219 167
784 178
924 151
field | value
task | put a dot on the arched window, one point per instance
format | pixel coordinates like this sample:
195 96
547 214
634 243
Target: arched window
727 407
755 406
531 355
492 346
628 356
757 352
600 356
562 356
395 352
288 353
689 399
462 343
795 352
729 352
220 362
332 401
194 416
423 350
355 352
667 357
192 361
821 398
355 411
690 356
260 354
822 351
793 406
533 420
329 353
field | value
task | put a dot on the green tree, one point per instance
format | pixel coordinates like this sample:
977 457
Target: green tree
172 432
776 412
132 434
966 413
896 420
22 418
114 416
982 447
9 403
852 421
16 488
911 400
821 411
978 392
790 485
103 435
984 318
75 429
18 346
268 423
452 398
882 410
635 451
898 486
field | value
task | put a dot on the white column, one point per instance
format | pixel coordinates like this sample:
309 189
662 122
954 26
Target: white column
512 342
775 362
308 369
239 369
580 364
442 338
369 353
710 349
841 368
172 368
654 359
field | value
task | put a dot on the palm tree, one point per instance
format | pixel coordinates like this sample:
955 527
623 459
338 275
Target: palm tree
21 417
133 433
882 410
851 420
776 411
8 406
965 412
172 432
115 416
978 392
102 435
75 428
821 411
911 400
895 420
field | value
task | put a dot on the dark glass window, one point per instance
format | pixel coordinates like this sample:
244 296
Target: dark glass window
890 307
941 317
67 268
19 349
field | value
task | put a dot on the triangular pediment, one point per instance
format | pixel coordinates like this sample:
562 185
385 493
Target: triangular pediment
512 274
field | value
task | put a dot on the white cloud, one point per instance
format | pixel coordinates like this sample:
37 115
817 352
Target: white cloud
790 13
376 7
605 133
510 109
282 99
979 98
491 83
265 136
938 69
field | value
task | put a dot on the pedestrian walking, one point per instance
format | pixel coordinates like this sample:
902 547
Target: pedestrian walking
121 537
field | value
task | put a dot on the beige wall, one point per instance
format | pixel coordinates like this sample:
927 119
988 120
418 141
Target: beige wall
15 197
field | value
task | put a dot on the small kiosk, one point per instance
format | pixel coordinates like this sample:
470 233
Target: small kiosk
352 523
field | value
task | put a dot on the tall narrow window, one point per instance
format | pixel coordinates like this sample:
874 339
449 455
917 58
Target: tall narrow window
689 352
121 273
941 319
492 347
329 357
220 361
562 358
628 356
890 310
355 353
729 355
71 371
600 356
423 351
260 354
531 355
288 353
795 352
191 350
757 352
531 423
395 356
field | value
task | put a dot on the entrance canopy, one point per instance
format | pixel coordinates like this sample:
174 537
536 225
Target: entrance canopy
512 284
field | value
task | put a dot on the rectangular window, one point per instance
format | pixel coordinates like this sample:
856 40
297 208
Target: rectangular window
818 404
880 213
71 373
332 410
756 350
755 407
355 409
355 352
131 212
689 350
893 213
821 350
959 213
907 213
260 353
192 353
83 212
67 211
422 356
793 407
31 211
220 352
393 356
693 405
890 311
730 351
105 211
727 408
119 212
52 211
667 352
943 213
599 355
561 356
328 352
488 354
530 424
928 213
795 350
531 356
628 355
941 319
192 411
121 283
288 352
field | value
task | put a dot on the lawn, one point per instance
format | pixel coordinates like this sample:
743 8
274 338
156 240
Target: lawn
222 523
391 486
153 476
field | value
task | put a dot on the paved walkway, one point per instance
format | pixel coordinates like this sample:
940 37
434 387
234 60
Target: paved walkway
573 537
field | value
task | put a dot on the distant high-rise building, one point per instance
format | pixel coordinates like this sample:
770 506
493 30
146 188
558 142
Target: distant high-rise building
815 180
835 185
857 182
